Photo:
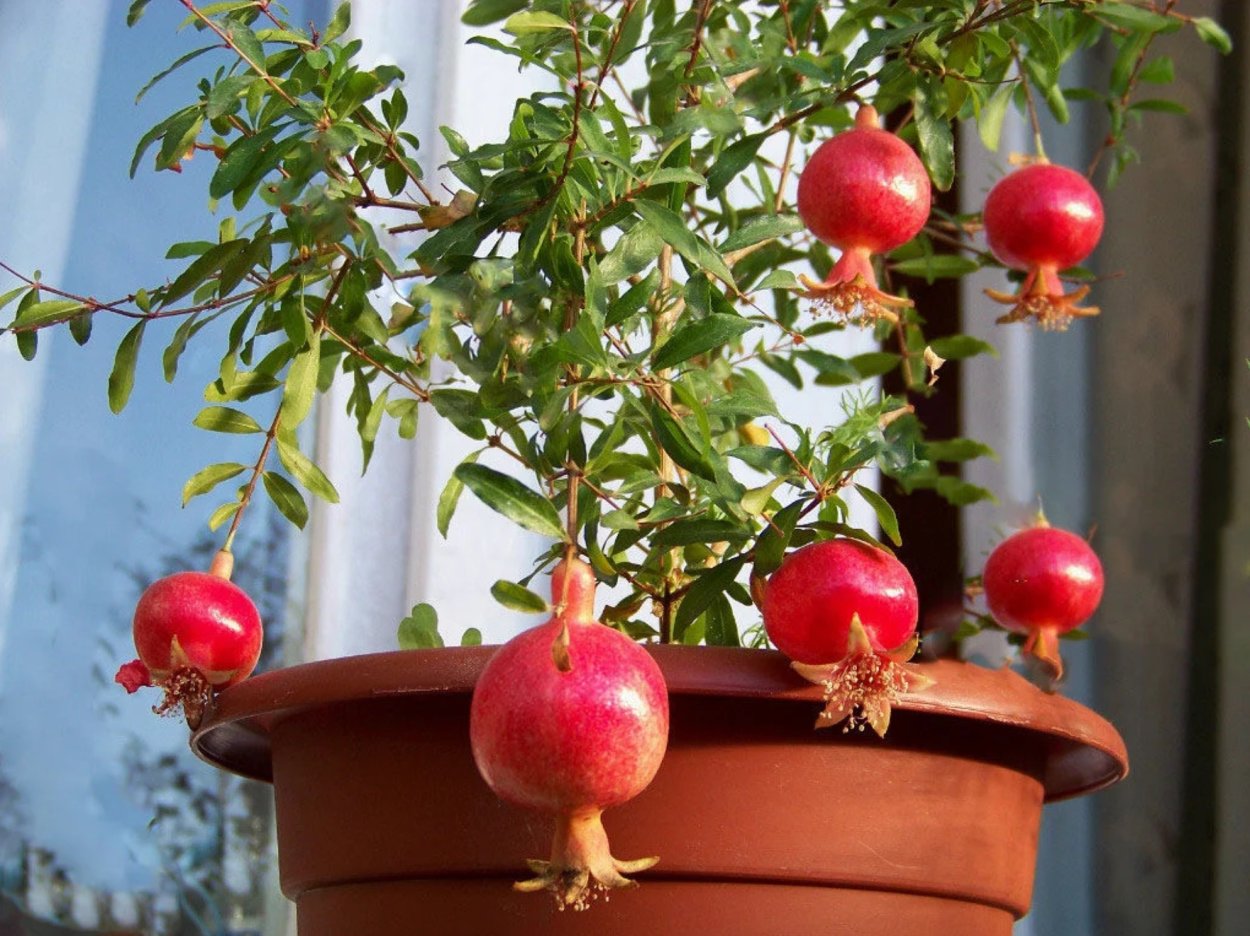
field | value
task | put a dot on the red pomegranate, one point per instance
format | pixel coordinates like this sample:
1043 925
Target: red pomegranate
569 718
195 632
845 613
865 192
1043 582
1042 219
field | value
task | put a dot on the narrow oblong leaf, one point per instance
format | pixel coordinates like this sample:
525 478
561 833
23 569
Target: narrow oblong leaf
937 141
520 24
208 478
698 337
286 498
49 312
1213 34
226 419
518 597
304 471
508 496
122 377
885 513
300 386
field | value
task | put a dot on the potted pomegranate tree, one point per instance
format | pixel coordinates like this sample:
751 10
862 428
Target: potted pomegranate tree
601 296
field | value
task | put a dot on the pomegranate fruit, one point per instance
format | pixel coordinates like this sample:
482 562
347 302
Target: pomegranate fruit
865 192
845 614
195 632
1042 219
1043 582
570 718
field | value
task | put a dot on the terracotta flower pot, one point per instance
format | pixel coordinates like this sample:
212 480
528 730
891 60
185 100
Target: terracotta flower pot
762 824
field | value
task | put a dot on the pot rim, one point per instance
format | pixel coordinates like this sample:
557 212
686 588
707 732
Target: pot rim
1083 751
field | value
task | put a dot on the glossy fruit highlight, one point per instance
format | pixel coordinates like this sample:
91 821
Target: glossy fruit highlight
845 613
570 718
1042 219
865 192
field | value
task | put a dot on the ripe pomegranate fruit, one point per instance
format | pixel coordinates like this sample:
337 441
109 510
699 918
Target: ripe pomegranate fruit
569 718
195 632
845 614
1043 582
865 192
1042 219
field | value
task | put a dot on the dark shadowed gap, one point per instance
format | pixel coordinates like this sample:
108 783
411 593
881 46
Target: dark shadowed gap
1196 875
931 528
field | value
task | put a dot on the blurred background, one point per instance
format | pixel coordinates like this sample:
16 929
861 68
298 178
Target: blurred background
1132 426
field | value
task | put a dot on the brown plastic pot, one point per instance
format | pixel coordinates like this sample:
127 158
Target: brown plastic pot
763 825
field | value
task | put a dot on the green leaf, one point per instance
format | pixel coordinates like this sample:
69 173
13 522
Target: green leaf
136 11
39 314
770 548
672 228
508 496
222 514
122 377
485 12
449 498
990 119
286 498
955 450
698 337
675 440
957 347
762 229
248 45
520 24
885 513
80 327
472 637
303 469
419 630
634 252
226 419
338 24
756 500
704 591
202 269
1213 34
518 597
936 266
1132 17
171 69
300 386
732 160
700 530
208 478
937 142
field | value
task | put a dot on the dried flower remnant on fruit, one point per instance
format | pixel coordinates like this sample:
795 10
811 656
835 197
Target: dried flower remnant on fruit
865 192
595 710
845 613
862 688
1042 219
